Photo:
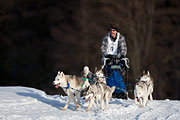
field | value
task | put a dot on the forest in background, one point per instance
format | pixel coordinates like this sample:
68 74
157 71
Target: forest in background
40 37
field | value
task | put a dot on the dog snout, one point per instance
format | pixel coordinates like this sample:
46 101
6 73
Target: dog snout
53 83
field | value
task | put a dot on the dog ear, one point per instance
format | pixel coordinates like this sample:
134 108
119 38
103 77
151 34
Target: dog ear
148 73
95 69
144 72
62 74
89 87
87 82
59 73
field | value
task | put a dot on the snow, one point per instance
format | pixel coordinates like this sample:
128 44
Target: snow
23 103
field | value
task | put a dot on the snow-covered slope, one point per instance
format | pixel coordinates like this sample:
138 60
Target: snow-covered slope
22 103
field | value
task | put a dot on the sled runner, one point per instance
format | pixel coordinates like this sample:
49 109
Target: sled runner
116 70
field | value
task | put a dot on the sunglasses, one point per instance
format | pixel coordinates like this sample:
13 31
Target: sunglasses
112 30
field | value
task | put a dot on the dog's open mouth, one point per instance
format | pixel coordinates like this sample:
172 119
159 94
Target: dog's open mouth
87 99
138 99
57 85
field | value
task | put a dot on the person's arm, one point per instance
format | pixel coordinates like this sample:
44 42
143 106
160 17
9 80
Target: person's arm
104 46
122 48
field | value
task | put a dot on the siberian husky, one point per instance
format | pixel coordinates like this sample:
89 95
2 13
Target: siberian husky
72 85
143 89
99 92
100 77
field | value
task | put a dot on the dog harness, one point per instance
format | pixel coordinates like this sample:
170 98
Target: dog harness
68 86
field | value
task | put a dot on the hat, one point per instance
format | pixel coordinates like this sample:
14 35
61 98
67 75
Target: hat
113 26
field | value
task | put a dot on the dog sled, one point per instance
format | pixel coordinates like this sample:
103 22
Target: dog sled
116 73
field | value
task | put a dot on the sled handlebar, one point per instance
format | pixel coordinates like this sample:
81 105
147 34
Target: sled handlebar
109 57
112 57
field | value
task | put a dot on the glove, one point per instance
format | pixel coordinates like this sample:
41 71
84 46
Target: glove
109 56
122 56
119 55
125 63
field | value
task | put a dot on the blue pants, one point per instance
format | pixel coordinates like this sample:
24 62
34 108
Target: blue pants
114 78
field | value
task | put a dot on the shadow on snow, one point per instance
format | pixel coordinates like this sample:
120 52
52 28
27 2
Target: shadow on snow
49 101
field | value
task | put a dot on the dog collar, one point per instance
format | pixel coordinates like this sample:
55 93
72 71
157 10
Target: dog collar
67 84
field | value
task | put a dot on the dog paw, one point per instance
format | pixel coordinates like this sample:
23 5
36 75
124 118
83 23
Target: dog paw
77 107
142 106
137 103
64 108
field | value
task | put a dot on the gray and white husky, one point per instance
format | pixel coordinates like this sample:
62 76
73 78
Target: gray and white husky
72 85
100 77
99 92
143 89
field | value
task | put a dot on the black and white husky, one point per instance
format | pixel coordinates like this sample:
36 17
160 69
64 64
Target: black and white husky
143 89
71 85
